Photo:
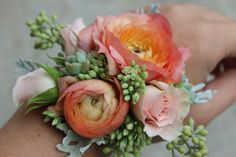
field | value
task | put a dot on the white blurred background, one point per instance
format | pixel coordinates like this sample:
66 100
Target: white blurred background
15 42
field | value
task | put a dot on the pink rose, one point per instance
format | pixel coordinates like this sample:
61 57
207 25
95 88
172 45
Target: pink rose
162 109
145 38
30 85
69 35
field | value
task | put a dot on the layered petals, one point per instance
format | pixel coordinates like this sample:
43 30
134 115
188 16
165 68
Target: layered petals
162 109
145 38
93 108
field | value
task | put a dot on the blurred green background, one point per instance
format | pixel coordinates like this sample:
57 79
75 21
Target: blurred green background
15 42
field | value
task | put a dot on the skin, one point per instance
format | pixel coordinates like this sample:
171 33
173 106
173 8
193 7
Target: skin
212 38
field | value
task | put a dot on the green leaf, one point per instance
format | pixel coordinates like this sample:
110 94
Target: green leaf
34 108
53 72
57 60
48 97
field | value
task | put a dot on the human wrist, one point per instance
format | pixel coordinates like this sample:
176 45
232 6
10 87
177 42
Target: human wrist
26 132
230 37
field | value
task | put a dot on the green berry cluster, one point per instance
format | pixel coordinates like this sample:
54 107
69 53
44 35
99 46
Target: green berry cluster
98 67
45 30
55 119
192 143
84 65
128 140
132 81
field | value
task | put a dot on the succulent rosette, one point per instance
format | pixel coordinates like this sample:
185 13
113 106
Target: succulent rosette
119 82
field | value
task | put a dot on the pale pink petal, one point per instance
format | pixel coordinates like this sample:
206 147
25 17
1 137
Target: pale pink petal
152 131
30 85
183 105
171 132
69 48
75 28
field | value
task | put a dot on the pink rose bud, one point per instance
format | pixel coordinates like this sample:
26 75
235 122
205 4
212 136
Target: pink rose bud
30 85
162 109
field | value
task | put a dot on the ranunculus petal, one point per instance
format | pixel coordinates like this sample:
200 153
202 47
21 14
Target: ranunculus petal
76 27
70 35
114 109
185 55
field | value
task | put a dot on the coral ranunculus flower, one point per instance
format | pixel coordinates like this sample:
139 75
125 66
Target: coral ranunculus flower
93 108
145 38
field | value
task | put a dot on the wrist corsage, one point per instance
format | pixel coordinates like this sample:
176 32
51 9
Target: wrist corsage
117 83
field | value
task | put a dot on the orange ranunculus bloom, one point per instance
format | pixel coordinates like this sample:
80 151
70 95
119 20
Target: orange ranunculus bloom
145 38
93 108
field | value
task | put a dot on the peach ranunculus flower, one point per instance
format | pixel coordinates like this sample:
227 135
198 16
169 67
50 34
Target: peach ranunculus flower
70 35
145 38
162 109
93 108
30 85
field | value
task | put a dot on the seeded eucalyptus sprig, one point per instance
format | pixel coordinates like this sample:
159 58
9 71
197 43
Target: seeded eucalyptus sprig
55 119
128 140
132 81
98 67
46 31
192 142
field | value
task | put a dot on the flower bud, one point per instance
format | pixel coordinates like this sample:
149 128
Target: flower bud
187 132
195 140
129 126
197 154
135 97
191 122
181 150
203 132
92 74
125 132
125 85
127 98
204 151
107 150
202 144
131 88
125 92
169 146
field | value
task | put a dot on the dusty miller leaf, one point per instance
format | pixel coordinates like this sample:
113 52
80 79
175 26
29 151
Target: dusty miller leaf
25 66
75 145
196 92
